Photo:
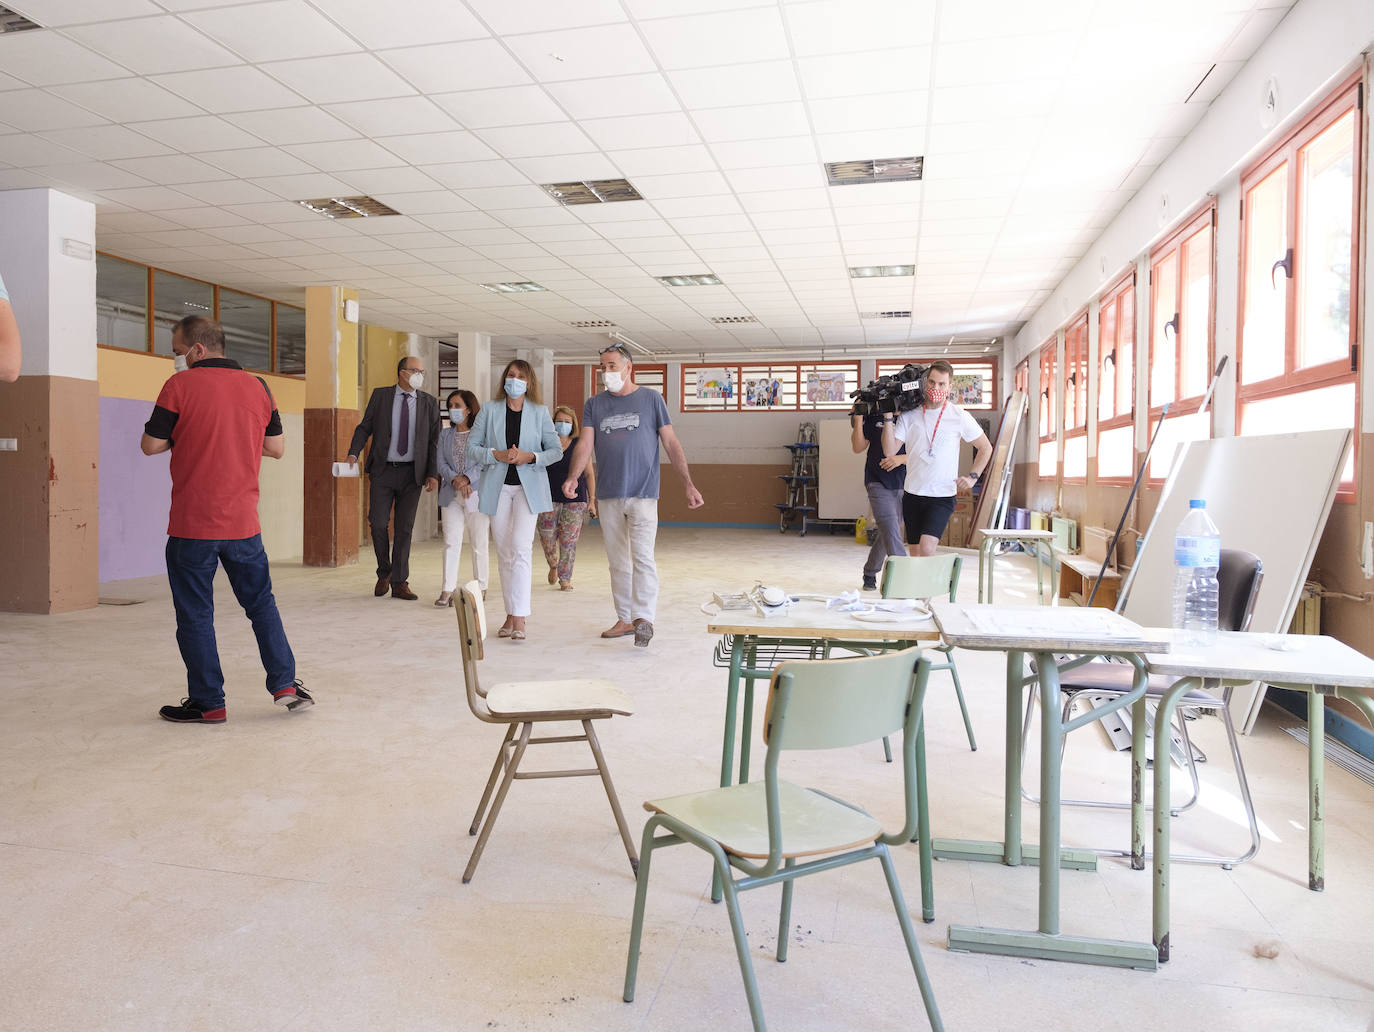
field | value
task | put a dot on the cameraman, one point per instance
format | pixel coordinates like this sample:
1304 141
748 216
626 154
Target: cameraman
883 481
932 434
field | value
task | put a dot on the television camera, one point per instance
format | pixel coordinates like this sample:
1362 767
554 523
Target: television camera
901 391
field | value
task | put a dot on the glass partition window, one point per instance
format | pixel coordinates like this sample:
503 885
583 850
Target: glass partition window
121 304
1116 382
174 298
247 322
1049 426
290 337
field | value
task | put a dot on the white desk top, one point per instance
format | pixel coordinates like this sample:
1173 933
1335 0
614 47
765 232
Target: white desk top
1298 659
1045 629
810 620
1022 535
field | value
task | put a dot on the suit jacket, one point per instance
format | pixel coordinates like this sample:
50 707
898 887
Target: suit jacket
537 435
376 424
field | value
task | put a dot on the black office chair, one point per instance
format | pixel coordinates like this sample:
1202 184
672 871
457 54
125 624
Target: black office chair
1238 581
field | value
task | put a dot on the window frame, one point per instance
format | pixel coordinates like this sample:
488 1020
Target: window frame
1075 359
735 404
1049 392
1112 298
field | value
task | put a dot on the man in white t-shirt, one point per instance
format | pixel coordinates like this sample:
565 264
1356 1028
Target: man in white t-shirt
932 435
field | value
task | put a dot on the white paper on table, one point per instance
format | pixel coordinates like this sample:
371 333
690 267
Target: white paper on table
1094 622
344 469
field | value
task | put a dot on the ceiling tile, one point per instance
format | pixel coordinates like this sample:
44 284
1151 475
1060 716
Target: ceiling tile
752 122
285 126
55 13
106 142
464 175
758 82
840 26
445 67
91 175
396 116
340 79
667 130
150 198
877 111
485 198
520 16
687 184
567 168
678 207
318 184
201 217
403 179
727 37
343 155
172 169
663 160
277 31
438 148
510 105
527 141
615 95
874 71
35 110
256 161
46 59
152 45
229 89
787 150
379 26
430 202
229 191
124 100
875 143
582 53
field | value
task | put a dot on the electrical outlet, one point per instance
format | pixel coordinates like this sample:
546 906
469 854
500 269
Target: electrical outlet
9 444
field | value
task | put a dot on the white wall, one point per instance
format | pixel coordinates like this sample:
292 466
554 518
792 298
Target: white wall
281 501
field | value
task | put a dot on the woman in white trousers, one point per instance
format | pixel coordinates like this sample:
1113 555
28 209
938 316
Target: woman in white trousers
459 480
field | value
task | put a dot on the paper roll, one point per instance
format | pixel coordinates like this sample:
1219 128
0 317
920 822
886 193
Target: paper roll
343 469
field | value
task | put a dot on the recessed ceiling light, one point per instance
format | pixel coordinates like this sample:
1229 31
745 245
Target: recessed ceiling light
865 271
592 191
875 170
592 324
512 288
703 279
348 207
720 320
13 21
885 315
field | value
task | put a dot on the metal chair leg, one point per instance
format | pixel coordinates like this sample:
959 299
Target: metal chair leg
909 937
487 825
963 707
610 794
491 781
647 844
785 914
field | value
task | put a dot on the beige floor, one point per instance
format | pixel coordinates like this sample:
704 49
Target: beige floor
302 872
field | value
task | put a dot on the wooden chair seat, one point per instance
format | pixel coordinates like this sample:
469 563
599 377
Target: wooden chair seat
572 699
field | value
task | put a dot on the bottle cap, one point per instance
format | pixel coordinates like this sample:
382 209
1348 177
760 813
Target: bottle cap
1197 503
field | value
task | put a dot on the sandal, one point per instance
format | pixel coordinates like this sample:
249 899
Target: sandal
504 632
565 585
444 601
517 635
553 574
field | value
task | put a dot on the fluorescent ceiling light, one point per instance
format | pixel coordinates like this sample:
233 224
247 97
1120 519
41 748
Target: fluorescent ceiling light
592 191
705 279
866 271
348 207
512 288
875 170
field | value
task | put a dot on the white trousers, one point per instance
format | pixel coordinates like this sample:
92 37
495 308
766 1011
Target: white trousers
513 530
629 527
478 525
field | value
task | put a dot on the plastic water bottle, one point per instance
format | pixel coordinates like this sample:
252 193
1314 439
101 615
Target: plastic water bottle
1197 554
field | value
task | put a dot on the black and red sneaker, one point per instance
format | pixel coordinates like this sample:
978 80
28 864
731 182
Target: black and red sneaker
192 713
293 696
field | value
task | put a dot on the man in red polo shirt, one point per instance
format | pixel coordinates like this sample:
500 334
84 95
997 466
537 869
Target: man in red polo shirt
222 421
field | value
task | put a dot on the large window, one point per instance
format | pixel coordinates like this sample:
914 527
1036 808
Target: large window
1049 426
1181 325
1076 399
1116 381
1299 250
137 307
654 377
776 386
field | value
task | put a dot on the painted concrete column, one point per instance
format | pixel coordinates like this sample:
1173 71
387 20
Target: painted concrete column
541 361
332 522
49 540
474 364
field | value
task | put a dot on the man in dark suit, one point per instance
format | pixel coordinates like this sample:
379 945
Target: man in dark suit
403 423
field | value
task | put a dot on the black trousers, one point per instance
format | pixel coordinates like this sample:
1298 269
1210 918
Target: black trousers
393 486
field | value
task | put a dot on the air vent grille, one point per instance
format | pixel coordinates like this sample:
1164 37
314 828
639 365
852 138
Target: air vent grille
523 287
701 279
730 320
875 170
884 315
12 21
592 324
348 207
592 191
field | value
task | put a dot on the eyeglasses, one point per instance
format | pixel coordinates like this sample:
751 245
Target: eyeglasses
616 347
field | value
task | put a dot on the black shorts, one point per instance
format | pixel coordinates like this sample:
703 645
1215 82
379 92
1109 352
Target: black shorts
926 515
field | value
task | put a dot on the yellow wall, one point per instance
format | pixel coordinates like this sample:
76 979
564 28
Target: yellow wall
382 349
127 374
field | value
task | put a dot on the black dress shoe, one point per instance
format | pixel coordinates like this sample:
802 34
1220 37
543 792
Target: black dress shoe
383 586
402 590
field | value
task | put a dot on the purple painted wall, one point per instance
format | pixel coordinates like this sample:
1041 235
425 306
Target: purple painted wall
135 494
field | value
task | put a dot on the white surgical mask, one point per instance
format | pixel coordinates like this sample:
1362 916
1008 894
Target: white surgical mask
179 363
562 429
456 415
417 380
614 380
515 388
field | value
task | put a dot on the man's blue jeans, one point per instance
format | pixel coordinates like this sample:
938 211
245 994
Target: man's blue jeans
886 504
191 566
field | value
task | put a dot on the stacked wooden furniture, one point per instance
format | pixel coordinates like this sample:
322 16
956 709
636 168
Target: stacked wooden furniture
1078 573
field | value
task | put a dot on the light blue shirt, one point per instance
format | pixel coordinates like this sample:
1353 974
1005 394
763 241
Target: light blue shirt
4 294
393 450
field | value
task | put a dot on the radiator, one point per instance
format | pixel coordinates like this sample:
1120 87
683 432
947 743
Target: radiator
1307 618
1065 534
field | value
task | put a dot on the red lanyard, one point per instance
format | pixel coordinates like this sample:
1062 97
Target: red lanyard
930 434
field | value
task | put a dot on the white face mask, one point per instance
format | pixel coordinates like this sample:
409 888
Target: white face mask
457 416
614 380
417 380
179 363
515 388
562 429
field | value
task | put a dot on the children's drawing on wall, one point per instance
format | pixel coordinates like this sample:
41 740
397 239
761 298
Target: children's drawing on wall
966 390
825 388
714 384
762 393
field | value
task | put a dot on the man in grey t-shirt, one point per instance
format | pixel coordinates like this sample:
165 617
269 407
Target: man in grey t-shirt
625 425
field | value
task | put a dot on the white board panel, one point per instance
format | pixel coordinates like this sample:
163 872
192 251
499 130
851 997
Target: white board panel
842 494
1269 495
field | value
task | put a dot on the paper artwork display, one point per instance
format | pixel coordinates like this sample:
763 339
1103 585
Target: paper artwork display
825 388
762 392
966 389
714 383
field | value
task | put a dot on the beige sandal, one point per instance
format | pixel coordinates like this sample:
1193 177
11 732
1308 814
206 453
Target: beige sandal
553 574
444 601
565 585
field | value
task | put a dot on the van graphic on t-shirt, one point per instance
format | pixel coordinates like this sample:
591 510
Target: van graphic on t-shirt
625 421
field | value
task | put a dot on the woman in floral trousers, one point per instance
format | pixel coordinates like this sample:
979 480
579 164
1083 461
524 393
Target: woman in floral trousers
560 529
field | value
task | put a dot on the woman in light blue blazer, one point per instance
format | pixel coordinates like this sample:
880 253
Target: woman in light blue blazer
514 442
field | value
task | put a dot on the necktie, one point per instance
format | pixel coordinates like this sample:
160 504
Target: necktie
403 444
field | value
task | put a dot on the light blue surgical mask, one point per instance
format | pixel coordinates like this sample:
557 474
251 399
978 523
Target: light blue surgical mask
562 429
515 388
457 416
